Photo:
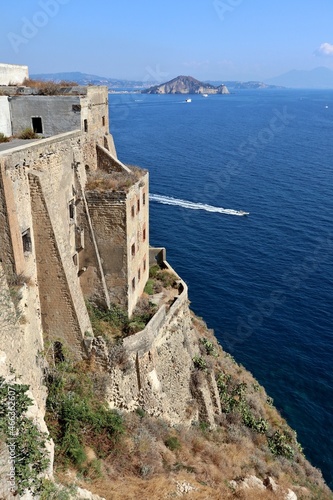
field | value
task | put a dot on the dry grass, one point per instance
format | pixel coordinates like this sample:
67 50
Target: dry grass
115 181
144 462
48 87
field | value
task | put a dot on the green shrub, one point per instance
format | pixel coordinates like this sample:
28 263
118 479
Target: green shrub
233 399
23 437
209 347
172 442
154 270
3 138
279 444
77 418
199 363
149 288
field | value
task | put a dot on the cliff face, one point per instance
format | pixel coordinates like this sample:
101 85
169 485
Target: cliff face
186 85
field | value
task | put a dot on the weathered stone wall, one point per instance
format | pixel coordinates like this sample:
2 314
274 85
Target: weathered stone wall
43 178
5 122
159 369
13 74
137 215
108 215
58 113
94 111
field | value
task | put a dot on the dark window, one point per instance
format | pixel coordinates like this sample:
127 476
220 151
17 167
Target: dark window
133 250
71 208
103 121
144 264
144 199
132 211
138 205
139 274
76 108
37 125
85 124
133 284
144 234
26 241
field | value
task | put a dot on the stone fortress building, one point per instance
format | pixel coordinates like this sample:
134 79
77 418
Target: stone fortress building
74 224
72 241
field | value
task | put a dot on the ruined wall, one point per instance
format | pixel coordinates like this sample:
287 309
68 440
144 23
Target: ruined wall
58 114
5 122
13 74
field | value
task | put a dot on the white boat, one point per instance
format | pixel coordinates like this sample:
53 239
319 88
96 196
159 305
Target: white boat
204 95
188 100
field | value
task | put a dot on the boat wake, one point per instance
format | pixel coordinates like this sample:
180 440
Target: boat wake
168 200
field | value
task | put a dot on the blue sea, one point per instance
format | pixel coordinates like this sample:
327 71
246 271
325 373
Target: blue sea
263 281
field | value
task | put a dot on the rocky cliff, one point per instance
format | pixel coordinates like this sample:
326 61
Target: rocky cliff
186 85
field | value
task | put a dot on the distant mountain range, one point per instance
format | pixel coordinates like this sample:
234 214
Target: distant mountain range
186 85
88 79
237 85
318 78
133 85
321 78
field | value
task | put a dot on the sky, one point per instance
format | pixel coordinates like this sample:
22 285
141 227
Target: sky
157 40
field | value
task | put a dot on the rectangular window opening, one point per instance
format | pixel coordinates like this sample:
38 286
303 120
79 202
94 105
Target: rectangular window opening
71 209
26 241
139 275
132 211
144 234
138 205
85 125
144 264
133 284
37 125
133 250
103 121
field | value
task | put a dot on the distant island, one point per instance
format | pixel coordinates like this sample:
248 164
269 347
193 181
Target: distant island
186 85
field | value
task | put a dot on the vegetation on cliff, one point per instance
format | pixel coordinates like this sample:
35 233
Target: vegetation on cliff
101 449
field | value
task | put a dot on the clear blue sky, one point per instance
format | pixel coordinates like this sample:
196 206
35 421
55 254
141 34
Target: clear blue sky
208 39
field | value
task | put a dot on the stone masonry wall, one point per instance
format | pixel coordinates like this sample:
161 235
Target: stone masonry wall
56 162
59 317
58 114
108 214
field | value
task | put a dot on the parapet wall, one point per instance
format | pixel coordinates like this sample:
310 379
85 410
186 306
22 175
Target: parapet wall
13 74
142 342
